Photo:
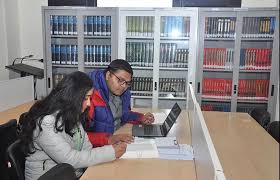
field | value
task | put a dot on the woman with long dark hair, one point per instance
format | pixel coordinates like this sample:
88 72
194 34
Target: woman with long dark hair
51 131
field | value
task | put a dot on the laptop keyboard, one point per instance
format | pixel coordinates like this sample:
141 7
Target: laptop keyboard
148 129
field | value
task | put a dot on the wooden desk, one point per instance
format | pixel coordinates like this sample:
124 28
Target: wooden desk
139 169
15 112
246 151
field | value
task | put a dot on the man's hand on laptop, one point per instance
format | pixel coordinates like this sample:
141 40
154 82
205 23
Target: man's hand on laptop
126 138
148 118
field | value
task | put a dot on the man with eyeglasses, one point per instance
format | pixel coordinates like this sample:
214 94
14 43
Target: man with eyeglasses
110 105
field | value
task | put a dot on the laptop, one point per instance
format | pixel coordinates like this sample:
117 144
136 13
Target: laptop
157 130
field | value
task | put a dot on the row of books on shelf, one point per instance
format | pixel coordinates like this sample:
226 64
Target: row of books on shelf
165 85
216 88
175 26
64 54
172 56
171 26
63 25
215 107
140 26
218 58
205 106
160 94
248 89
93 25
255 89
97 25
258 27
140 53
57 77
220 27
97 54
255 58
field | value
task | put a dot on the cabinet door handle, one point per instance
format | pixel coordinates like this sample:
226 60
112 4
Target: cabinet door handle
198 87
272 91
49 82
155 86
234 89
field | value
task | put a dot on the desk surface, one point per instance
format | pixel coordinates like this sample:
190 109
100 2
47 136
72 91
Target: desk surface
139 169
15 112
246 151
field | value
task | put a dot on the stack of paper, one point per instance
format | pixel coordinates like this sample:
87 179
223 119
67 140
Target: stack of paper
141 148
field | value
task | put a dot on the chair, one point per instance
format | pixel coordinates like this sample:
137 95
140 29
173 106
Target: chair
8 135
273 130
261 116
16 159
59 172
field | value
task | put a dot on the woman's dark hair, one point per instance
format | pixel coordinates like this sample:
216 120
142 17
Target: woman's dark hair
66 99
119 64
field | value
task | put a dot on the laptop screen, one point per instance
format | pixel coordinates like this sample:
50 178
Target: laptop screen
171 118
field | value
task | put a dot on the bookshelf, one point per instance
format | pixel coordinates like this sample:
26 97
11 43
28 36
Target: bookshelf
238 57
229 54
77 38
259 60
157 44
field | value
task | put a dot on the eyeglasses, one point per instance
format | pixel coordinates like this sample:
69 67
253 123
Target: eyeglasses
121 81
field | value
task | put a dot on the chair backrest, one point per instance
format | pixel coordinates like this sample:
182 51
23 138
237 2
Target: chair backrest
16 160
273 130
8 135
59 172
261 116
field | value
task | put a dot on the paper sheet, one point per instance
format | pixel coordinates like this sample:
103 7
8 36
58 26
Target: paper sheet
141 148
182 152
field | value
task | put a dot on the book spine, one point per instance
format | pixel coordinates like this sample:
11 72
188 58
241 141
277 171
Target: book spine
75 32
65 25
108 25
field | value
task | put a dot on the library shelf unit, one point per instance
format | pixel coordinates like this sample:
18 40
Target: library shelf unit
238 64
160 45
77 38
230 55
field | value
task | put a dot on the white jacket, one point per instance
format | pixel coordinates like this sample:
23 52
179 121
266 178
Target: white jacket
54 147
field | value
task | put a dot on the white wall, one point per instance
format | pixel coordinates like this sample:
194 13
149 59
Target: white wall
31 39
12 31
4 74
259 3
30 22
21 35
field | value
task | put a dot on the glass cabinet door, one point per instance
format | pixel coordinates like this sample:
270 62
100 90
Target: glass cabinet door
77 39
139 48
62 38
173 60
217 61
255 62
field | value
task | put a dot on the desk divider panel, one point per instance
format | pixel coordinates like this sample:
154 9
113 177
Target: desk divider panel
207 164
17 91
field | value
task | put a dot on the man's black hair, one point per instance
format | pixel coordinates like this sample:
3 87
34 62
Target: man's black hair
119 64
